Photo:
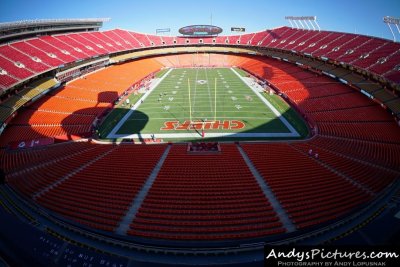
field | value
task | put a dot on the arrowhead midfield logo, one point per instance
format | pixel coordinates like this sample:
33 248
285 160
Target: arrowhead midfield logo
201 82
211 125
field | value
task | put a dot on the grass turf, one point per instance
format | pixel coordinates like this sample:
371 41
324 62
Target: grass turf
116 115
289 113
234 101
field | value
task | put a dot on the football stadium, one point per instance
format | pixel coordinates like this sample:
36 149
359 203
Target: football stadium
201 148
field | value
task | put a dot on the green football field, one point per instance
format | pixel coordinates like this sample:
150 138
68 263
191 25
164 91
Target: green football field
188 102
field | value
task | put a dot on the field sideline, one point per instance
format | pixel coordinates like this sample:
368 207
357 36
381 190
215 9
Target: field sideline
224 103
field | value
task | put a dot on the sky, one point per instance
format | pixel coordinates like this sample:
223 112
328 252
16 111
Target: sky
354 16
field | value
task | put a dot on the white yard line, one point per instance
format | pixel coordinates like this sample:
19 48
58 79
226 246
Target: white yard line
266 102
197 135
195 91
209 92
129 113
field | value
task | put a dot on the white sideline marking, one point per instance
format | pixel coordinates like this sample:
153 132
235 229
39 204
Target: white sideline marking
182 119
274 110
129 113
207 135
292 131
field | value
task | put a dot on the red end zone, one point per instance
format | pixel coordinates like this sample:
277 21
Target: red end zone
215 125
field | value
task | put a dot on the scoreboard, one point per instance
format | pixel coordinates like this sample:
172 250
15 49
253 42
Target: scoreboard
237 29
200 30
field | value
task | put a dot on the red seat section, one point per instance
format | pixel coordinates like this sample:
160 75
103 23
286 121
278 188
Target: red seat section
384 154
72 109
143 40
16 71
113 38
310 193
205 197
51 171
88 44
51 50
75 48
371 176
215 196
377 55
43 117
31 157
245 39
101 41
37 53
128 38
154 40
349 114
314 42
18 56
65 48
95 196
388 131
7 81
354 114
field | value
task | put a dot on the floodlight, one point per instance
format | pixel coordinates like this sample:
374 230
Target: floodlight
306 19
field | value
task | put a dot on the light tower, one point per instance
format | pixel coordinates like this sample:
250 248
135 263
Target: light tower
394 21
306 19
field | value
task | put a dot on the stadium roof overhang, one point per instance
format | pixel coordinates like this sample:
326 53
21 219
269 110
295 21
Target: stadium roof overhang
26 28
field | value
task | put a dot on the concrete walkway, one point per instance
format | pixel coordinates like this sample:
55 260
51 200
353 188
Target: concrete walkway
276 205
138 200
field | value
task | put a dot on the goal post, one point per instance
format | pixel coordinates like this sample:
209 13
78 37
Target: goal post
190 102
215 100
195 122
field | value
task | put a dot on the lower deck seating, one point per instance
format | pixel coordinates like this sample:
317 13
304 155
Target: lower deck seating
360 114
205 197
386 132
310 193
31 132
338 110
45 175
370 176
17 160
383 154
336 102
95 195
39 117
72 109
209 197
